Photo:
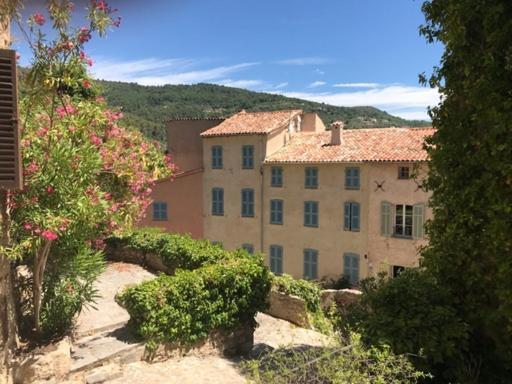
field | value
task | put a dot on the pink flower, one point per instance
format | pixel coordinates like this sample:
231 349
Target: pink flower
84 35
72 128
27 226
101 5
86 83
25 143
49 235
42 132
68 45
49 189
85 58
32 168
95 140
107 196
17 56
63 111
38 18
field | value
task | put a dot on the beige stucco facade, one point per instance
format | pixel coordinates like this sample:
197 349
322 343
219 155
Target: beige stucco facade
376 252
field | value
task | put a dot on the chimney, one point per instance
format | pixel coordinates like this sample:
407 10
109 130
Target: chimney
336 131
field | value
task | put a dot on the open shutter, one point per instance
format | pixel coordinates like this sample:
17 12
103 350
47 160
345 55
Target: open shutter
346 215
418 221
385 219
10 156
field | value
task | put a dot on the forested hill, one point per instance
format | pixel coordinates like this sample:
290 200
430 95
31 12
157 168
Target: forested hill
147 107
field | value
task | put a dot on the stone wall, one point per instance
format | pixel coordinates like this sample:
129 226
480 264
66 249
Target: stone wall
339 297
288 307
116 251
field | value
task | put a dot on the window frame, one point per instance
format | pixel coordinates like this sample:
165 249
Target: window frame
248 158
310 271
247 207
276 258
217 157
313 214
277 212
311 177
403 223
162 209
248 247
217 208
276 181
402 176
350 178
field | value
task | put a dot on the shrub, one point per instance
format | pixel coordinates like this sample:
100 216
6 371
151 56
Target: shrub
175 250
306 290
186 307
345 363
341 282
412 315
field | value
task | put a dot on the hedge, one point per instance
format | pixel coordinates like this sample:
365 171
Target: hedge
175 250
186 307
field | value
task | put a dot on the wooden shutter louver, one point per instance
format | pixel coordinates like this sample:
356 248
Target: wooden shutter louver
10 156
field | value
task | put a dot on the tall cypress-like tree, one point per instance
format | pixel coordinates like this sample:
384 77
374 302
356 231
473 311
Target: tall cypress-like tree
470 250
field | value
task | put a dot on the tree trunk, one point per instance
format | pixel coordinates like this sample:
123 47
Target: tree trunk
8 328
37 287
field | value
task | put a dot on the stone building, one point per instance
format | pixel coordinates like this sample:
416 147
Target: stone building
318 203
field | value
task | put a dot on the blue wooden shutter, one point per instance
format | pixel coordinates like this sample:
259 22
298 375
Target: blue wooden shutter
346 217
418 221
385 219
355 216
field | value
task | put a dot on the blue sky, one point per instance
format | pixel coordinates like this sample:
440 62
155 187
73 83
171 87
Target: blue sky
342 52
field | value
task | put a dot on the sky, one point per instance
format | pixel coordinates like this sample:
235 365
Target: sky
341 52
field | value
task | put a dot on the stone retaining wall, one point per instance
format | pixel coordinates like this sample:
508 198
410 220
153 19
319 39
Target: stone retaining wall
116 251
288 307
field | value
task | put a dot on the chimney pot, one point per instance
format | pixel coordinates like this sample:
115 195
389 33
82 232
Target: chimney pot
336 132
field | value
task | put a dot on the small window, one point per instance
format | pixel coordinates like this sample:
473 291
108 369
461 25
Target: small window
351 267
217 201
276 177
247 202
352 178
396 270
217 243
352 216
276 259
403 220
217 157
311 213
310 264
159 210
247 157
311 177
276 211
403 173
248 247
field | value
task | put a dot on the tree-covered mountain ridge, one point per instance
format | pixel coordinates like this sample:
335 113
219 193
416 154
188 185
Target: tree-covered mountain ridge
148 107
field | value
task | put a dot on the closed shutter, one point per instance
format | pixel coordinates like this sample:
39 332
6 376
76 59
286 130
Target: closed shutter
10 156
355 217
351 267
418 221
346 221
385 219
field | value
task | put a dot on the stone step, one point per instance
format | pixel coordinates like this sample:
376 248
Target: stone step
103 374
118 345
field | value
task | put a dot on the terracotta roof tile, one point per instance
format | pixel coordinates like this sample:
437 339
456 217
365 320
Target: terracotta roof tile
357 145
251 123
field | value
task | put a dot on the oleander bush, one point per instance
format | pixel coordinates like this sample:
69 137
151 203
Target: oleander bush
187 306
175 250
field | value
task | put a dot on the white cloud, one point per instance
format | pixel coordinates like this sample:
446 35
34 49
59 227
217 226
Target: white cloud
319 72
304 61
241 83
159 72
281 85
399 100
356 85
316 84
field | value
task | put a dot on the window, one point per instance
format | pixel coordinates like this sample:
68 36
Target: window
311 213
276 211
248 247
351 267
217 157
217 243
276 259
310 264
159 210
352 178
276 177
247 202
403 173
247 157
403 220
217 201
311 178
352 216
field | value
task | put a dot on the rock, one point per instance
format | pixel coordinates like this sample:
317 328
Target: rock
288 307
104 373
340 297
52 362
